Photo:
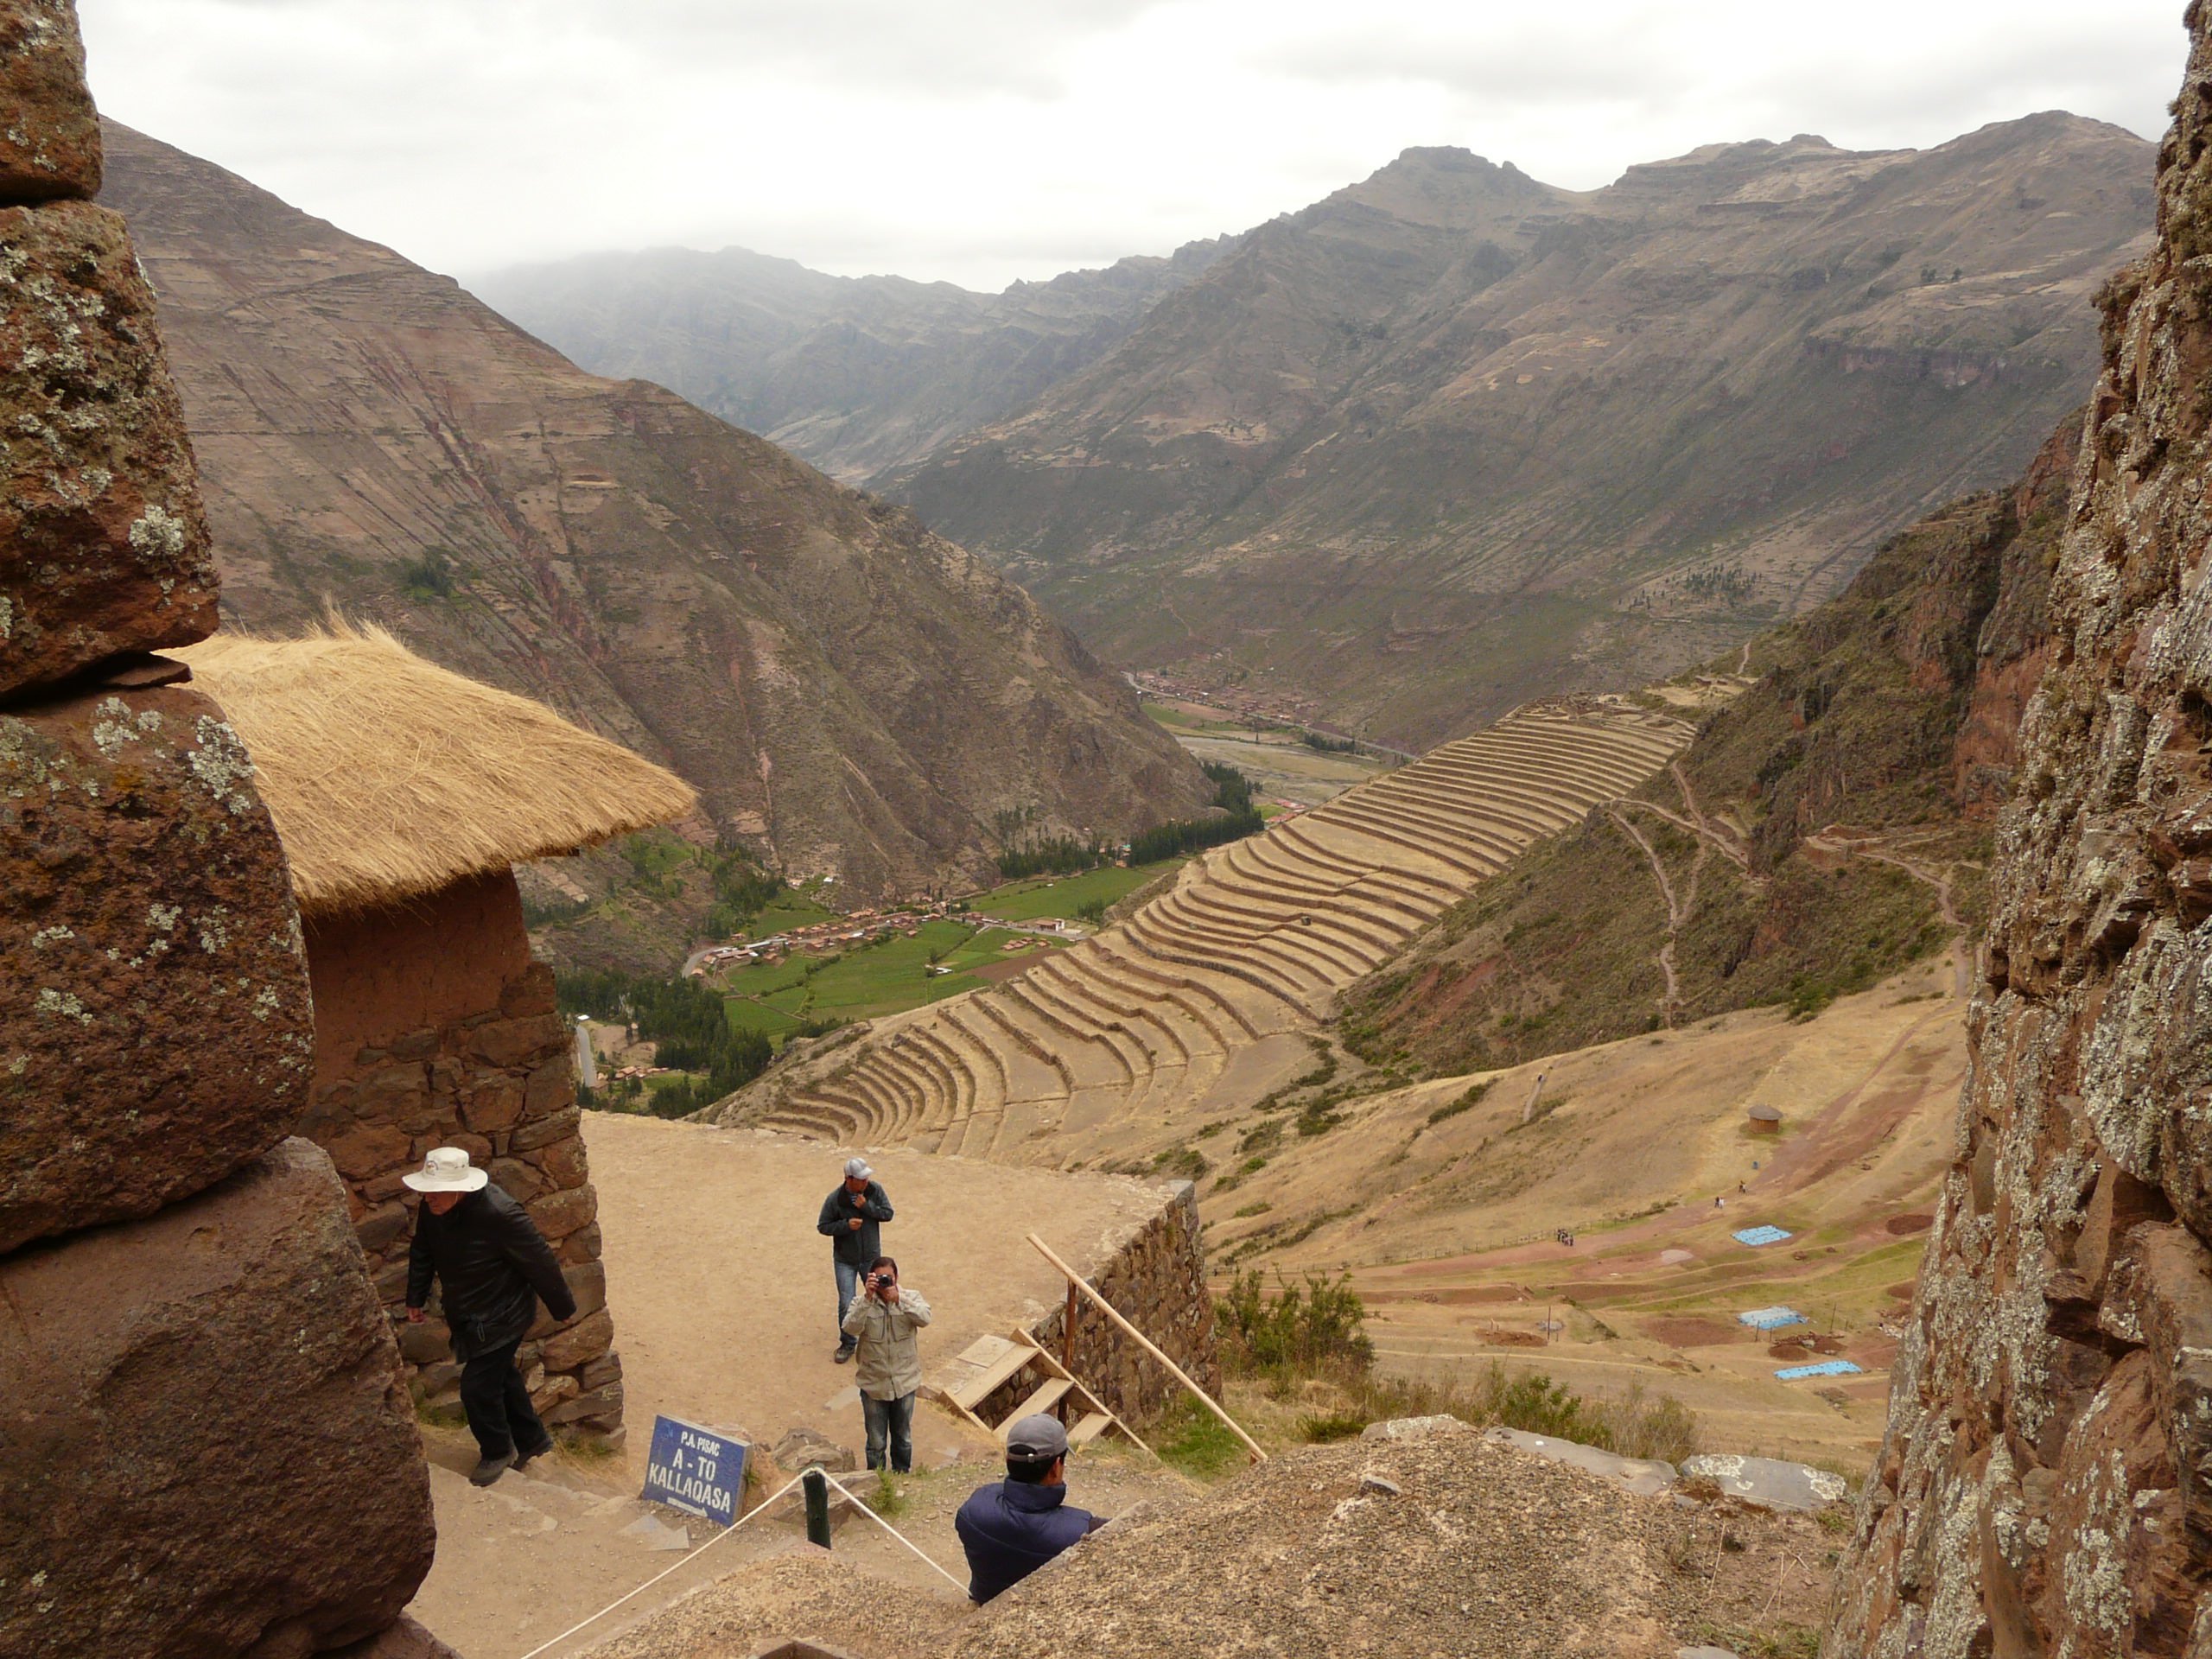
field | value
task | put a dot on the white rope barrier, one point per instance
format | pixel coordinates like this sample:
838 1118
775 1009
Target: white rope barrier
893 1531
728 1532
758 1510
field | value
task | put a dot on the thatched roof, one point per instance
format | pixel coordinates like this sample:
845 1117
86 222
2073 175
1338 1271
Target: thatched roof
390 776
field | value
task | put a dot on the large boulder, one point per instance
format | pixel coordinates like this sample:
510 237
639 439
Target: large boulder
103 545
204 1449
50 141
156 1028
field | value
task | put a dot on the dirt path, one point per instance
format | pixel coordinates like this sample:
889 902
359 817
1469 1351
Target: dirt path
1679 911
1961 951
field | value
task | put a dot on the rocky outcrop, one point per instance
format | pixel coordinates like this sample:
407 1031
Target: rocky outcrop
2043 1485
102 547
155 1026
204 1448
50 144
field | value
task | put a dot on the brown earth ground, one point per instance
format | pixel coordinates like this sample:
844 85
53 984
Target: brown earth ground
723 1305
1447 1228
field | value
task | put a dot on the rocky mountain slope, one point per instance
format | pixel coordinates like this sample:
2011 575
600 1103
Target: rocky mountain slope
2041 1488
847 691
1453 437
859 375
1824 828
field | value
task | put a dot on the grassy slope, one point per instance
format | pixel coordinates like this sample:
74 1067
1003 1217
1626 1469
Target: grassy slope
1854 722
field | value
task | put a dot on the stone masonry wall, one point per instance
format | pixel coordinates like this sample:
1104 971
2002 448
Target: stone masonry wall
2045 1487
436 1028
1156 1278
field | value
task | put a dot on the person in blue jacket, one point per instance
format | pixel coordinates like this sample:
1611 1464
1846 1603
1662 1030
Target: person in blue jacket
1013 1528
850 1219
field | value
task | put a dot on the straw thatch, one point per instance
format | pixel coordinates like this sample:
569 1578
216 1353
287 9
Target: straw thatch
390 776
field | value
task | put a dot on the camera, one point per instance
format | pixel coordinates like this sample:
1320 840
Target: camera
878 1280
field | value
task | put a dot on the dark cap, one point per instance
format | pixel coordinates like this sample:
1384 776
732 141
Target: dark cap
1036 1439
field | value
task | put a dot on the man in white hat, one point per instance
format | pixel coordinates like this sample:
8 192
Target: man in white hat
850 1216
492 1265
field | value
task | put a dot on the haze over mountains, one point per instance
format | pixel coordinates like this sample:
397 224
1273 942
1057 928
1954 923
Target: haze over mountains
847 690
1452 437
861 375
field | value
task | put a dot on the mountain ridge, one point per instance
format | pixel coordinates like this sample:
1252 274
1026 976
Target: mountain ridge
848 691
1680 407
1451 437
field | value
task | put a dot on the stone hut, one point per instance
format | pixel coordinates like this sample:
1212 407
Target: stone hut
403 795
1764 1119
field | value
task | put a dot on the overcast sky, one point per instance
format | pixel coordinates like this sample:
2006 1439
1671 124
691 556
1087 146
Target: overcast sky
980 141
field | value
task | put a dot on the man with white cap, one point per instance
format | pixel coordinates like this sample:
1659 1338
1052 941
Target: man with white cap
1011 1528
492 1265
850 1219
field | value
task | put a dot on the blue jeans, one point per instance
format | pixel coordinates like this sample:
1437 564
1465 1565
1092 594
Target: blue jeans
848 1286
894 1419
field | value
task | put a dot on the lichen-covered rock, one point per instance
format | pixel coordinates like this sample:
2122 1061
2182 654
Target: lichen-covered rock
103 545
156 1032
49 134
204 1449
2045 1485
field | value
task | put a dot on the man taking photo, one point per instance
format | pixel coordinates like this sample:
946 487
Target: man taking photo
850 1218
493 1265
883 1321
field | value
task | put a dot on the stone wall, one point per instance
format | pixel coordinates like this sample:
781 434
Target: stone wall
1156 1278
204 1449
2045 1483
435 1027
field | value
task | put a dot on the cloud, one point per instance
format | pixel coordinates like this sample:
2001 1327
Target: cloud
984 140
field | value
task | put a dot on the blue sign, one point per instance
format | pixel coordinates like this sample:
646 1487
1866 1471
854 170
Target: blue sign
699 1470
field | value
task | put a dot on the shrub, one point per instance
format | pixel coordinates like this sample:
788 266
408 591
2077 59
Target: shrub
1314 1329
1454 1108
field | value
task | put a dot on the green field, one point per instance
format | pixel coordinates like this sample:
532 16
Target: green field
1168 714
884 976
1036 897
788 909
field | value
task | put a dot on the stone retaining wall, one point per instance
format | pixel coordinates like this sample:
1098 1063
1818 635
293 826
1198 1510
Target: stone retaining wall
1156 1278
435 1027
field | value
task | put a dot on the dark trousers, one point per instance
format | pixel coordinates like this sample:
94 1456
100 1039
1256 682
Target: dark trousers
848 1286
893 1420
500 1416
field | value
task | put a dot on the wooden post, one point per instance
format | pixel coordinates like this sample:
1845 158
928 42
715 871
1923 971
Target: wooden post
1067 1344
816 1486
1078 1282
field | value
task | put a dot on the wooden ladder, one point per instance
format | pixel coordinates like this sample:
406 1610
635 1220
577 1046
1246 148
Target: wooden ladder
988 1364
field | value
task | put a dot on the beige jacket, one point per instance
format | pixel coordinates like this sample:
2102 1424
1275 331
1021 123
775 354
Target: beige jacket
889 1363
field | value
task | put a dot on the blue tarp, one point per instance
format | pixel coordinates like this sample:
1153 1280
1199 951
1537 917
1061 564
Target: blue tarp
1761 1236
1826 1368
1771 1318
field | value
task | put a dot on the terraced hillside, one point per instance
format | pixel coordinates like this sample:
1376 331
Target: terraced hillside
1199 1004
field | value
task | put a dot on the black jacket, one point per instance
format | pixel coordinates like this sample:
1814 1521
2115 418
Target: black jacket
493 1265
856 1249
1010 1528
